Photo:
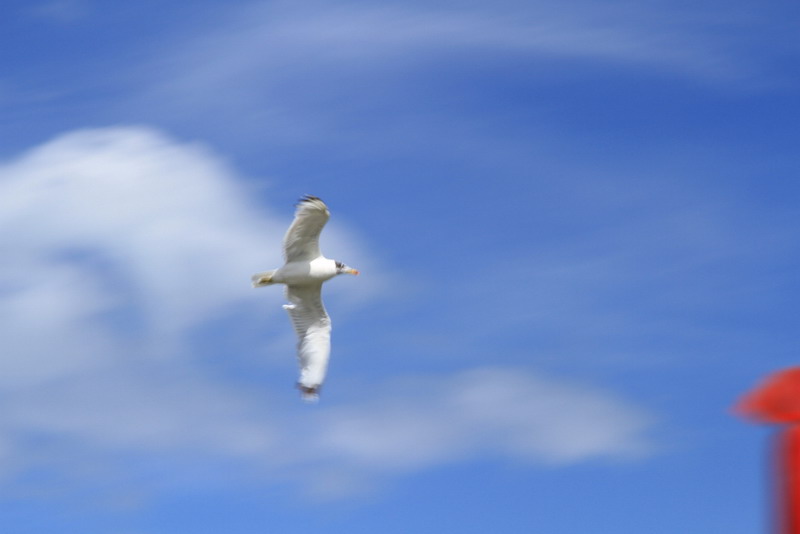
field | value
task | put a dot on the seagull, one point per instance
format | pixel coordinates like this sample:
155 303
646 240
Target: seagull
303 273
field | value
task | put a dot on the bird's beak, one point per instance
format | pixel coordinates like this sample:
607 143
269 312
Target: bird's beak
353 272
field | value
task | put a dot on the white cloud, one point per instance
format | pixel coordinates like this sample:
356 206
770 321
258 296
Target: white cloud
126 219
122 245
494 412
498 411
333 451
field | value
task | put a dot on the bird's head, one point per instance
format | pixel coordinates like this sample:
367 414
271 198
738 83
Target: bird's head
341 268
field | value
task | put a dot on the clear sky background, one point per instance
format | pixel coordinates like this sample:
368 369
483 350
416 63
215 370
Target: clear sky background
576 222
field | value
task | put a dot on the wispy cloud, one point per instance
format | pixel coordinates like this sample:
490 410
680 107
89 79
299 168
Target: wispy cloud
61 11
499 411
268 42
506 414
279 67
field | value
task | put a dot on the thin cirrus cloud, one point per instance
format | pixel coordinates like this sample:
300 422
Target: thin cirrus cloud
263 43
493 409
486 412
122 243
61 11
281 65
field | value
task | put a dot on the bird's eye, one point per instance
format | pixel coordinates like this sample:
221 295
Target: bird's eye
339 265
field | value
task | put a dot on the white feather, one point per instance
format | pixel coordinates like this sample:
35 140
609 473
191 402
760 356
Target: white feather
313 328
301 242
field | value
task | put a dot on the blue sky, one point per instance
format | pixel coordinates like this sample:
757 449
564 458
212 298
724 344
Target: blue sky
576 222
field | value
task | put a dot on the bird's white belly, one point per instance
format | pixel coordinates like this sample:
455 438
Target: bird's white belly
304 272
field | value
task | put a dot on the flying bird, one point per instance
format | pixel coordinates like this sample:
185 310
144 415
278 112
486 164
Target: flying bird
303 273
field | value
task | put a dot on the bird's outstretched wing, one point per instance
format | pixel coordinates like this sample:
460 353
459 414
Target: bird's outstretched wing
313 328
301 242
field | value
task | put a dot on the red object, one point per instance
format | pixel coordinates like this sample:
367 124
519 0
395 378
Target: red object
777 400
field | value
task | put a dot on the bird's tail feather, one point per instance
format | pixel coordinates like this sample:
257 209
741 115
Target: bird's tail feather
263 279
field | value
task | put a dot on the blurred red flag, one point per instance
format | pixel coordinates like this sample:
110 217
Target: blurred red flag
777 400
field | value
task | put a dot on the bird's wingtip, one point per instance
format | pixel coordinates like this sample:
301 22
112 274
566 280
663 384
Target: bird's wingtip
310 398
310 395
308 198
